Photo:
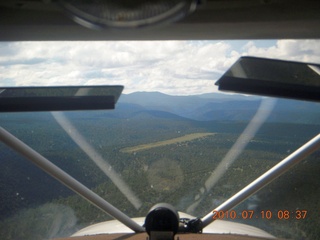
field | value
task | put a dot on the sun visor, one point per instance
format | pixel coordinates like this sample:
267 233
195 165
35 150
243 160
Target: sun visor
29 99
275 78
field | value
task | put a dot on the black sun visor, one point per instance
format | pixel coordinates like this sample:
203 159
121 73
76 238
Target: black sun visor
29 99
275 78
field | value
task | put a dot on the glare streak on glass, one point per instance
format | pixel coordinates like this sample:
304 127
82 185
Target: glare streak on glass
256 122
314 68
104 166
237 70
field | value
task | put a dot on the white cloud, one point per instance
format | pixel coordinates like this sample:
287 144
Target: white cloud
173 67
295 50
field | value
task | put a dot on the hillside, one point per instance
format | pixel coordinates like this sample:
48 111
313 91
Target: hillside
221 107
164 148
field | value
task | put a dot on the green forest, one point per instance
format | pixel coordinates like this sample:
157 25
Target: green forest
35 206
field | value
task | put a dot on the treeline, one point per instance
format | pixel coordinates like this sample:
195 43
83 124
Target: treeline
174 173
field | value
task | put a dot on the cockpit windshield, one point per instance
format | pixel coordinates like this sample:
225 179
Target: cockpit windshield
172 137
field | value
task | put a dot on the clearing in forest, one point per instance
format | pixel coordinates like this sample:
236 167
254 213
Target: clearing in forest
185 138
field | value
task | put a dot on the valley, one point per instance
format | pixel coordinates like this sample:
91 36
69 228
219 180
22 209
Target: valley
163 155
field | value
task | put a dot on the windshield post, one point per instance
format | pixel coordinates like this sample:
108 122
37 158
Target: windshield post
280 168
43 163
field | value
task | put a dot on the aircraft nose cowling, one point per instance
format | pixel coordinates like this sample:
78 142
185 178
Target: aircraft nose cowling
162 221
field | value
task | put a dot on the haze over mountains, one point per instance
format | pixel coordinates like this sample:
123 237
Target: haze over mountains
140 118
215 106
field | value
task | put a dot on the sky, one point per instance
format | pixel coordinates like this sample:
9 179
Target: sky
171 67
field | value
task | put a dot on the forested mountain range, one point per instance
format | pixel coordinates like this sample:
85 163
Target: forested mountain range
151 117
217 106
